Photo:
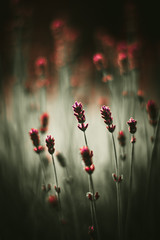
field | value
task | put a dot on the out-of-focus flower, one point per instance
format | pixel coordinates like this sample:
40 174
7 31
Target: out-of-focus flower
89 195
122 138
91 231
107 78
132 125
44 122
79 113
57 189
53 200
57 25
34 135
106 115
116 178
122 62
152 111
39 149
99 61
96 195
90 169
140 95
41 62
50 142
61 159
133 140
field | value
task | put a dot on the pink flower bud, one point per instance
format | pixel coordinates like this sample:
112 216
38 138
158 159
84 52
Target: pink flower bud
57 189
86 155
39 149
90 169
133 140
96 195
122 138
89 195
50 142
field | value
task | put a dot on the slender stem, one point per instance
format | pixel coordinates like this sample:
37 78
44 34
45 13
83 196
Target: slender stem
85 138
118 189
56 178
43 170
91 203
130 188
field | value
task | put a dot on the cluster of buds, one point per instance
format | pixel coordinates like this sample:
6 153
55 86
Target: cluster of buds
79 113
46 188
53 200
116 178
132 125
34 135
89 195
50 142
152 111
44 122
87 159
122 138
107 116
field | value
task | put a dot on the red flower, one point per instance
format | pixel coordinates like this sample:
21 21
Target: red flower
122 138
132 125
106 115
39 149
90 169
44 122
53 201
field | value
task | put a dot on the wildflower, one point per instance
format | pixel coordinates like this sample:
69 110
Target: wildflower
50 142
106 115
132 125
99 61
86 155
44 122
57 189
152 110
87 159
34 137
39 149
122 138
91 231
79 113
123 62
53 201
96 195
61 159
116 178
89 195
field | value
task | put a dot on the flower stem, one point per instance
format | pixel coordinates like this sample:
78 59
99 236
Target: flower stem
85 139
130 188
118 189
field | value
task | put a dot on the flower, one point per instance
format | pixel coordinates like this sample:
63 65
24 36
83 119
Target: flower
90 169
91 231
34 137
50 142
132 125
61 159
86 155
53 201
44 122
89 195
122 138
39 149
41 62
99 61
106 115
79 113
96 195
116 178
152 110
123 62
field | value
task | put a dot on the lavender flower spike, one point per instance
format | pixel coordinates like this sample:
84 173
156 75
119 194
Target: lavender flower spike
80 115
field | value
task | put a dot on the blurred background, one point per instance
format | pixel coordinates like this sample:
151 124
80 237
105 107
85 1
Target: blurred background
53 53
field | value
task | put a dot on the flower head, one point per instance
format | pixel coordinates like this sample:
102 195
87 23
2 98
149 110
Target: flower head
53 201
34 135
99 61
132 125
86 155
39 149
152 110
106 115
41 62
44 122
79 113
50 142
61 159
122 138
